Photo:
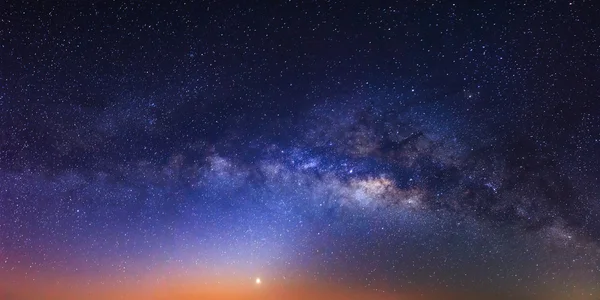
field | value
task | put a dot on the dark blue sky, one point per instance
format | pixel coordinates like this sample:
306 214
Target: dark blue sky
425 144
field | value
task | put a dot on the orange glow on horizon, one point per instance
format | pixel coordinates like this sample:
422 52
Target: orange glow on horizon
189 288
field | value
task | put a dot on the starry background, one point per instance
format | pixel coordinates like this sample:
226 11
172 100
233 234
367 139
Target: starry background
423 148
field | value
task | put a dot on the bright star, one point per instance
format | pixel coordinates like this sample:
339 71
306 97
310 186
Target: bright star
258 281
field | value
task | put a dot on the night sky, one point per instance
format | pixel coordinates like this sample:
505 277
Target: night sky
299 150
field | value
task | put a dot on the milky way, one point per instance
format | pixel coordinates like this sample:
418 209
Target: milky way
447 147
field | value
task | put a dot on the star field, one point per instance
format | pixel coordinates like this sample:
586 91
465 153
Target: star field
319 150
